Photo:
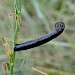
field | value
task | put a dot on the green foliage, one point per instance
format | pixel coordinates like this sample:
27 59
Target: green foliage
52 73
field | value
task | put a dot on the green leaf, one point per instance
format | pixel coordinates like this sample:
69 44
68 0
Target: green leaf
8 65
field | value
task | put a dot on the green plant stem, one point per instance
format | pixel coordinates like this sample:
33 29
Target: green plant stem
17 4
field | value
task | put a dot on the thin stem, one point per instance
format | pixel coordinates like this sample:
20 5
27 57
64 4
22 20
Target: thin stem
17 5
43 73
23 62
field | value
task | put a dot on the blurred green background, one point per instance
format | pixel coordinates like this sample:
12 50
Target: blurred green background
38 18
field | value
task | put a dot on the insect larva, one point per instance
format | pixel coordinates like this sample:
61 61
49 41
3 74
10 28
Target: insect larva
59 27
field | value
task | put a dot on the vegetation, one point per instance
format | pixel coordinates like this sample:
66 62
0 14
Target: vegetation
37 18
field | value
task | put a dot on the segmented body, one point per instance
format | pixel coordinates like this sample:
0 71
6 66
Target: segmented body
59 27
